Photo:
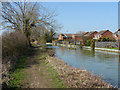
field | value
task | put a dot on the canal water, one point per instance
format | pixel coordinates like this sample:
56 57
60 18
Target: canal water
105 64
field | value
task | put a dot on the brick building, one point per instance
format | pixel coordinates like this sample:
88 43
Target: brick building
79 37
103 34
65 37
116 35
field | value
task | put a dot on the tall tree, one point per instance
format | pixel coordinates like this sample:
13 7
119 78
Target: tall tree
27 17
51 34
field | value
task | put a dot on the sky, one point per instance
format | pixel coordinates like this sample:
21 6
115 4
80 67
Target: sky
85 16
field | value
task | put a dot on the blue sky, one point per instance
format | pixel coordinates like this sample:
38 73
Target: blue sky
85 16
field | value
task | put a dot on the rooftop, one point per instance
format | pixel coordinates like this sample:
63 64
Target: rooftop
101 32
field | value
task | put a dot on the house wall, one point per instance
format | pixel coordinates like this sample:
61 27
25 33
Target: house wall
60 37
68 38
78 38
116 37
107 34
93 35
73 37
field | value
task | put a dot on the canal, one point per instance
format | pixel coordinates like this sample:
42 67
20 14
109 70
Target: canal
105 64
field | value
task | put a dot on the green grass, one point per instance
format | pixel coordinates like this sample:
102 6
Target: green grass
53 75
56 82
111 48
55 78
18 76
87 46
41 73
43 58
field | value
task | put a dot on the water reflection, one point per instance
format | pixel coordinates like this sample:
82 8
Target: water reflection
92 53
119 58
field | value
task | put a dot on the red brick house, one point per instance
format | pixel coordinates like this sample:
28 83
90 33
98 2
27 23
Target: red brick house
116 36
103 34
79 37
65 37
91 34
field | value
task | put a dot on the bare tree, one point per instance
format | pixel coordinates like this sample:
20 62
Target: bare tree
27 17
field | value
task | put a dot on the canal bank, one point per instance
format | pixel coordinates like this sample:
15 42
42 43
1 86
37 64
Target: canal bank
87 47
104 49
76 78
42 66
104 64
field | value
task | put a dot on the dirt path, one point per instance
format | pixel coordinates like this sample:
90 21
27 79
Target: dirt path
36 73
43 71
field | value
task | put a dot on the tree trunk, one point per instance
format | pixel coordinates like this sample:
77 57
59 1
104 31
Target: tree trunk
29 42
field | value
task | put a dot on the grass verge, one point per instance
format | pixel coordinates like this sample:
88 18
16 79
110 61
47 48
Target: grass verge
55 78
18 76
53 75
112 48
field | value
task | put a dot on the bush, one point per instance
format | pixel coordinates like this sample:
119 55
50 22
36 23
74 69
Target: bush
107 39
13 44
92 44
88 42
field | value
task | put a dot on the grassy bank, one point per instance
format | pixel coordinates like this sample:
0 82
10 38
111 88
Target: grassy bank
77 78
29 65
112 48
39 70
51 75
18 75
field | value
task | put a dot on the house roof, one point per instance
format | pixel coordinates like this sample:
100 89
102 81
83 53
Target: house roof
101 32
81 34
68 35
76 34
90 33
117 31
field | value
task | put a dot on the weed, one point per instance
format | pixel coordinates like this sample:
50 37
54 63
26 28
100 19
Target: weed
43 58
18 76
41 73
55 78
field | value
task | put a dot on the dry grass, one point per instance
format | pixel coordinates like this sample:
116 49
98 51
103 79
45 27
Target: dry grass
13 44
77 78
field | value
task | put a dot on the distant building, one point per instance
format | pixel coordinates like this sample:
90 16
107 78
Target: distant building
116 35
65 37
91 34
79 37
103 34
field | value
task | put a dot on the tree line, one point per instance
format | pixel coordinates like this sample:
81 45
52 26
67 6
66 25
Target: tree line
23 23
30 18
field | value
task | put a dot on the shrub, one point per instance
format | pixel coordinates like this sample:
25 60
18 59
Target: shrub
88 42
13 44
107 39
92 44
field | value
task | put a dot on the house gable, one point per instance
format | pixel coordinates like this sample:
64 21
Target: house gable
104 34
